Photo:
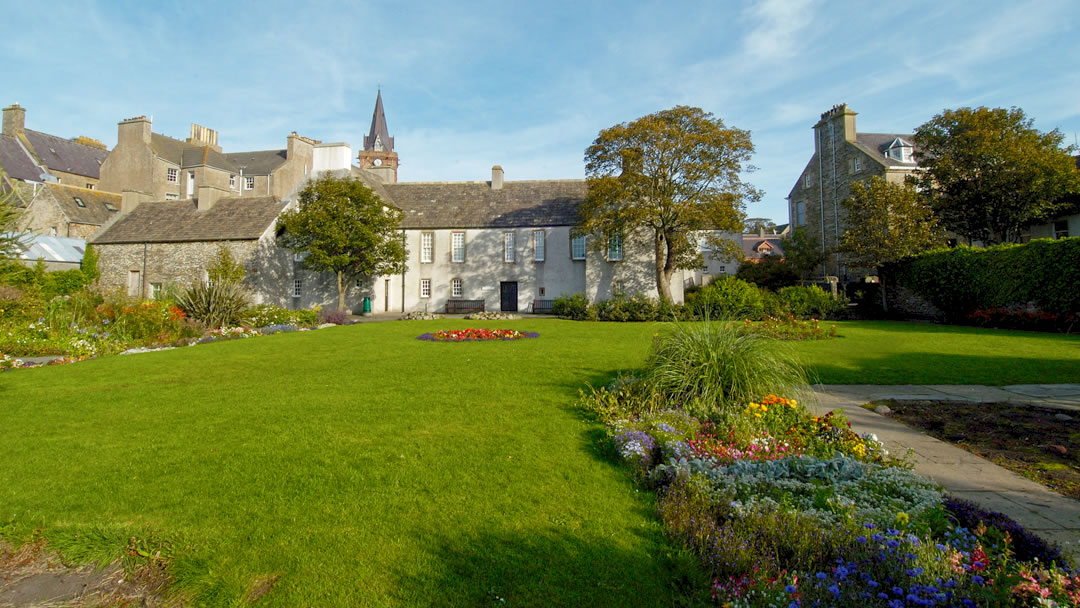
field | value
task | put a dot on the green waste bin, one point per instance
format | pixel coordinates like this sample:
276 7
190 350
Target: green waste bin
367 306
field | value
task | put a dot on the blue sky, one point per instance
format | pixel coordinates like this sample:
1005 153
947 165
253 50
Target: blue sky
529 85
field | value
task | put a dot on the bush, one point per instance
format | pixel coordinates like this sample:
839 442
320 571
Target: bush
770 272
216 305
329 315
715 369
622 308
811 302
726 298
574 307
961 280
265 315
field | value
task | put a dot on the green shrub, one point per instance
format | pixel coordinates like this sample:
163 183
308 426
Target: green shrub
772 304
623 308
810 302
266 315
726 297
961 280
574 306
89 264
216 304
715 369
770 272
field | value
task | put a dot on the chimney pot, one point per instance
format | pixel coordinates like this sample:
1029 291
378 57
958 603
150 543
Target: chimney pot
14 120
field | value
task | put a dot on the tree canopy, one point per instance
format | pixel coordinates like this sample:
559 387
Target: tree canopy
802 252
345 228
10 235
886 222
989 174
662 179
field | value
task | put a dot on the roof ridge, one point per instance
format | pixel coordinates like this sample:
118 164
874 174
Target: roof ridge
94 190
485 182
67 140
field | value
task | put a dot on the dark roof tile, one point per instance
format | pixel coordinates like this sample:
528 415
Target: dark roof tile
16 163
476 205
65 155
230 219
95 208
259 162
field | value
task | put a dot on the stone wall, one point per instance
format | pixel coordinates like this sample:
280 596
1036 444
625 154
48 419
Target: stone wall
134 268
907 304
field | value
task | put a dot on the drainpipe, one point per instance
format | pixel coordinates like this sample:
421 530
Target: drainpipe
403 275
142 283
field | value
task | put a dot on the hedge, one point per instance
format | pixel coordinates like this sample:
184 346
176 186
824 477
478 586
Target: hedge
961 280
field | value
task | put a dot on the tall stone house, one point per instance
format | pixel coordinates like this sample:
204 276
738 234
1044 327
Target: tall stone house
507 244
841 157
146 166
31 158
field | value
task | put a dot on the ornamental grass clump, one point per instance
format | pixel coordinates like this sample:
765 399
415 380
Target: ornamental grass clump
214 304
712 370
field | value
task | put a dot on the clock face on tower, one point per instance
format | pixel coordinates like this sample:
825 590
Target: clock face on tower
377 162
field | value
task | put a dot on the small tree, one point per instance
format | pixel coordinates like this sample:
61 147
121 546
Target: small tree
989 173
10 236
344 228
224 269
802 252
663 178
89 264
887 222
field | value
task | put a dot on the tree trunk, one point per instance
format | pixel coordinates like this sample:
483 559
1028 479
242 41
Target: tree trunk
341 291
663 267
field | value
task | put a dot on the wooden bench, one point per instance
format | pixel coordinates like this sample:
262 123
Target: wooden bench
542 307
457 307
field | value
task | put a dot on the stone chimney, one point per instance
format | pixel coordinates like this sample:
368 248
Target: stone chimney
202 136
843 120
134 131
496 177
208 196
130 199
14 120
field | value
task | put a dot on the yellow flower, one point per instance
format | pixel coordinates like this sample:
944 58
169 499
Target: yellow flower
794 403
902 519
756 415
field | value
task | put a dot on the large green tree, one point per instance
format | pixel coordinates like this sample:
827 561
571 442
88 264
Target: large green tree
665 178
989 173
886 222
343 227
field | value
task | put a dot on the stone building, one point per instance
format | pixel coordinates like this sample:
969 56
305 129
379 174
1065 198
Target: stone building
147 166
843 156
34 158
67 211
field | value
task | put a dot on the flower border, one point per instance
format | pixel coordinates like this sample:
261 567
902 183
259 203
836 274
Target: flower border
473 334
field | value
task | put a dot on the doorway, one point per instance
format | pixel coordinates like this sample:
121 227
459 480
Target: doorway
508 296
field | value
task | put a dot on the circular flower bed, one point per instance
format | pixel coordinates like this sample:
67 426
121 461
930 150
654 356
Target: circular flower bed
476 335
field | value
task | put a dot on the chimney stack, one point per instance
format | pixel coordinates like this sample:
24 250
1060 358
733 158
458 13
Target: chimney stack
133 131
203 136
208 196
130 199
14 120
496 177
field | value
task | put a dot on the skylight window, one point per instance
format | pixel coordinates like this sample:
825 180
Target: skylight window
110 206
79 202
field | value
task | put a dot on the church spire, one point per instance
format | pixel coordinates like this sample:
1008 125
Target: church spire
379 138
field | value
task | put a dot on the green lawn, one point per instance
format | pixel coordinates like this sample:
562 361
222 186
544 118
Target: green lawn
364 467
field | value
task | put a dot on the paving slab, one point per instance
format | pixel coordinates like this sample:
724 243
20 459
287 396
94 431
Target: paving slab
962 474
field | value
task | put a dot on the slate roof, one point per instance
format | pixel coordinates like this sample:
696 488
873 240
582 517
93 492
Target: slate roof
230 219
95 209
751 242
195 156
65 155
875 145
259 162
476 205
16 163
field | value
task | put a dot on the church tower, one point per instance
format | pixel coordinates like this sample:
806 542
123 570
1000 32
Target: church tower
378 154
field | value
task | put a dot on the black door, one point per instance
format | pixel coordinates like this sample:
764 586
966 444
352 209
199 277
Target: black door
508 296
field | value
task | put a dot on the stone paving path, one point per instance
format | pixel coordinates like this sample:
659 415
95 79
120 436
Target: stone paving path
963 474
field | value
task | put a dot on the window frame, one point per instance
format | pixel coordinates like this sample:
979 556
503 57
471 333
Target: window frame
232 181
425 283
298 288
172 175
249 182
427 247
457 288
509 248
455 248
539 238
615 246
806 183
573 247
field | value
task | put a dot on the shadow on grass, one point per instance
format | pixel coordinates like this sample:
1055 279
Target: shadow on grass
553 568
935 368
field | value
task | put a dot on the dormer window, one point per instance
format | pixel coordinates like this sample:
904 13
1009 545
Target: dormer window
79 202
899 150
